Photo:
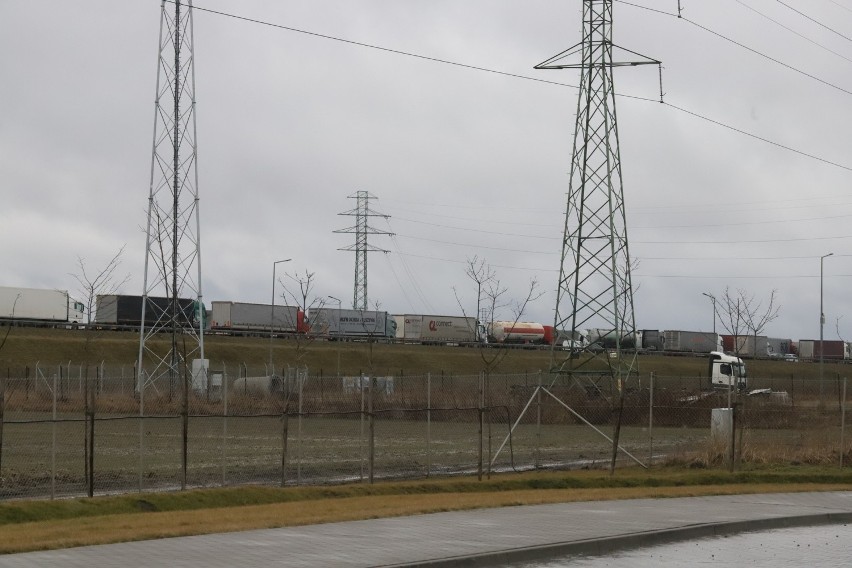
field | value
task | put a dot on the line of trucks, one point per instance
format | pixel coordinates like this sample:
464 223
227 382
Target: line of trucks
34 306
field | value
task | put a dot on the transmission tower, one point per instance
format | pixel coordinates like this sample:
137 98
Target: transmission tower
595 290
172 304
361 229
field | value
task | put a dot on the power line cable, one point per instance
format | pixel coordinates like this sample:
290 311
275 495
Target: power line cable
526 77
817 22
761 138
768 57
380 48
792 31
745 241
838 4
744 46
474 246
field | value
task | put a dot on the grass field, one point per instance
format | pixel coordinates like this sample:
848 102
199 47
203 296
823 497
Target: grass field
26 346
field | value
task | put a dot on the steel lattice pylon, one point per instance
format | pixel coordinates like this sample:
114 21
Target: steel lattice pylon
595 289
172 303
361 229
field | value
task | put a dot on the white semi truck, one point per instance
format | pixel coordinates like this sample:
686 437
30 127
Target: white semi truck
727 371
39 305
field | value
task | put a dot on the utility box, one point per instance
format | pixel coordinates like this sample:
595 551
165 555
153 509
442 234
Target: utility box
199 375
721 423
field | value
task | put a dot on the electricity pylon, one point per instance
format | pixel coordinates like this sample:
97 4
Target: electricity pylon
172 303
361 229
595 289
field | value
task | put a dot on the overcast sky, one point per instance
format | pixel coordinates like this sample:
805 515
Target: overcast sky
465 162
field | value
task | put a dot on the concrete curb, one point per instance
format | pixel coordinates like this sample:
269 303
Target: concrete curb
607 545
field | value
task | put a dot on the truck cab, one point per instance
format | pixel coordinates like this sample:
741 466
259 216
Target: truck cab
727 371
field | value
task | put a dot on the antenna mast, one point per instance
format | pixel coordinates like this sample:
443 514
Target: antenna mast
171 298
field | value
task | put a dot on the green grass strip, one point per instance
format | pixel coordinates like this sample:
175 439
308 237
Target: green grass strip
13 512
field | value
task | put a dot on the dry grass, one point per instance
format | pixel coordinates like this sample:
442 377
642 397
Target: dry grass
323 506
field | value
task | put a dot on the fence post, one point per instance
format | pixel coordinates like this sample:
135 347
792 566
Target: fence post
53 443
2 414
285 425
140 382
361 430
299 428
733 408
184 411
428 424
537 463
843 423
224 423
651 421
481 420
90 404
371 425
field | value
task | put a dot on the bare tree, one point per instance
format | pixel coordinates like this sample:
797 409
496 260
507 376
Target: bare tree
742 315
482 274
300 289
731 311
757 318
496 300
94 283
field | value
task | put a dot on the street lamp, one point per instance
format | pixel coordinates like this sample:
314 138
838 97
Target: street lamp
821 324
339 303
272 314
713 299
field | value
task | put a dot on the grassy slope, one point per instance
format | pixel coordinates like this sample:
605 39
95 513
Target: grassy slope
26 346
34 525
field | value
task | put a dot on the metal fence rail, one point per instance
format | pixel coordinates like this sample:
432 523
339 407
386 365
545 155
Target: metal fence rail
69 430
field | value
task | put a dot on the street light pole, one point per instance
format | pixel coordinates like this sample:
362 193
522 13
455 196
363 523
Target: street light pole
272 314
821 325
713 299
339 303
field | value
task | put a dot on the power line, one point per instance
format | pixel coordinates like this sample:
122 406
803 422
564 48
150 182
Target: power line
832 30
380 48
792 31
526 77
762 139
484 231
743 46
745 241
768 57
457 244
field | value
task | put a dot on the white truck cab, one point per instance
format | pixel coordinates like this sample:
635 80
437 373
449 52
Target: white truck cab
727 371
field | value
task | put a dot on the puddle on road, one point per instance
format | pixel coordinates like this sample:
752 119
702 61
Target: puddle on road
815 547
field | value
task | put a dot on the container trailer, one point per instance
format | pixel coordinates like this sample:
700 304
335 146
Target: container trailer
242 316
118 309
332 322
39 305
692 341
435 329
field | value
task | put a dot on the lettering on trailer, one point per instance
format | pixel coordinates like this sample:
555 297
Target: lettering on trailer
434 325
357 320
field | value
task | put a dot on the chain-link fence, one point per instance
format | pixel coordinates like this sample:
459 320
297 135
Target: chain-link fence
77 430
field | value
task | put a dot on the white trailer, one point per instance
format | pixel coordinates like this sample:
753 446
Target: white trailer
692 341
332 322
241 316
34 304
435 329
